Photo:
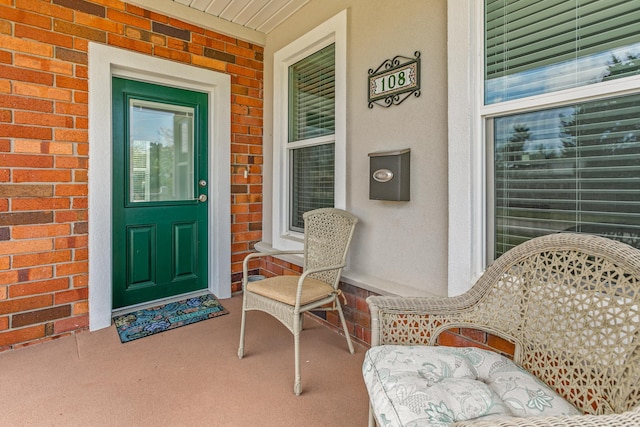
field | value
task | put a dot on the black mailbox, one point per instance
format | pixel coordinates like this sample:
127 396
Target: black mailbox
389 175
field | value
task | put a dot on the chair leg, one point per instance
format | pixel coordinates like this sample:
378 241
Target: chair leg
242 324
297 326
344 327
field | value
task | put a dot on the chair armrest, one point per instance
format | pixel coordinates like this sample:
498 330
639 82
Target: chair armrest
629 418
306 273
245 263
413 320
421 305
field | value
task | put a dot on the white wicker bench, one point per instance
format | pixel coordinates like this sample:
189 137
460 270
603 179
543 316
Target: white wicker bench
571 305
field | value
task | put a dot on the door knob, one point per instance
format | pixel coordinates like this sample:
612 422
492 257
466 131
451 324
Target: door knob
202 198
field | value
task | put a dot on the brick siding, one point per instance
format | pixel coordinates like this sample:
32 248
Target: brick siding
465 337
44 147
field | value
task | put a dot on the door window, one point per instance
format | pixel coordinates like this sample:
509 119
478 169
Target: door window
161 160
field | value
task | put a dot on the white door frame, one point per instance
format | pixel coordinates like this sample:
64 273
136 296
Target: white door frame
105 62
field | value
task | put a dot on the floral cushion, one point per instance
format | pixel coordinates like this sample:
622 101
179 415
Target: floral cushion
437 386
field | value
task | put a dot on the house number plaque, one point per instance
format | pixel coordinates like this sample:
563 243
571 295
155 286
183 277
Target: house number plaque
394 81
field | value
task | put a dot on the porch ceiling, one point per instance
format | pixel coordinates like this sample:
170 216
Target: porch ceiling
259 15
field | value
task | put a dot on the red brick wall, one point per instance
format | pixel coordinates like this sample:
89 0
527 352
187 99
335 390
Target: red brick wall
465 337
44 147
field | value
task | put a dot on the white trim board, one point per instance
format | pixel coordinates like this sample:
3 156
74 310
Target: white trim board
105 62
466 174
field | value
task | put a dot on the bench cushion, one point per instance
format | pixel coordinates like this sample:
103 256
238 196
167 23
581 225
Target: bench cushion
436 386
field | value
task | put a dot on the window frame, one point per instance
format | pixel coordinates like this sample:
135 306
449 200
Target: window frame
331 31
468 151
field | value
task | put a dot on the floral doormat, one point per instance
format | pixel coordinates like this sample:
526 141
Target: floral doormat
142 323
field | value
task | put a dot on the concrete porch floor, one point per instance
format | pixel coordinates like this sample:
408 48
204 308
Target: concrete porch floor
190 376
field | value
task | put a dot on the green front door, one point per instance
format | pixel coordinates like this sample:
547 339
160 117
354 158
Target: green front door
159 191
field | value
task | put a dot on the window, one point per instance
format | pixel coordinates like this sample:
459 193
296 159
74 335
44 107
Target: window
551 89
309 128
573 166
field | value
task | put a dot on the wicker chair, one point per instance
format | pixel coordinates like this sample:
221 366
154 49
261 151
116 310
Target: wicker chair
327 236
571 305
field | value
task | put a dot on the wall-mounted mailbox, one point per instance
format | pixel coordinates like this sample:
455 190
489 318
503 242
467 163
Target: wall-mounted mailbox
389 175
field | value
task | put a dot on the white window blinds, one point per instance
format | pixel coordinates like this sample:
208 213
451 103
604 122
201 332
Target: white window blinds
311 96
536 47
313 181
575 168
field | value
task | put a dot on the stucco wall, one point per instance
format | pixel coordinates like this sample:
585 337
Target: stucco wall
399 247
